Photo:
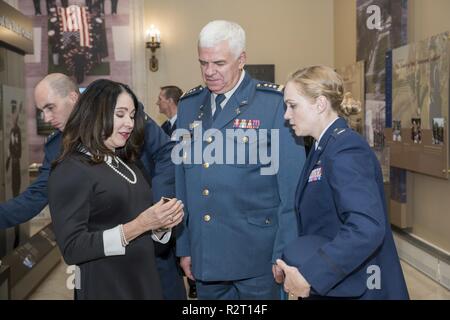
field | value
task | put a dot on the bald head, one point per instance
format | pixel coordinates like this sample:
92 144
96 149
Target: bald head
55 96
61 84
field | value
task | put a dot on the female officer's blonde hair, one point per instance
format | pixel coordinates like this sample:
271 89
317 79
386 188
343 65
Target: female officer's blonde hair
317 81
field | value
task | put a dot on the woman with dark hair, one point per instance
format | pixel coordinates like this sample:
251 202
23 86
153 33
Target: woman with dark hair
100 203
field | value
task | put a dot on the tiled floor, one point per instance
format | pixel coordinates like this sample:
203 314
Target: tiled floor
54 287
419 285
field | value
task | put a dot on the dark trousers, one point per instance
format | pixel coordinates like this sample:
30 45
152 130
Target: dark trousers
317 297
259 288
170 275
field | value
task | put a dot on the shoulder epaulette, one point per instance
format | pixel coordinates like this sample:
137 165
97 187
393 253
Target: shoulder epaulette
338 131
268 86
192 92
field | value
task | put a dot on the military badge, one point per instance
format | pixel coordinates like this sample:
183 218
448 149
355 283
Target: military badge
194 125
246 124
316 175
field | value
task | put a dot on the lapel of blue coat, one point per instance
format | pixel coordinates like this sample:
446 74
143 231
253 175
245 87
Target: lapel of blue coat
205 113
300 183
313 157
237 103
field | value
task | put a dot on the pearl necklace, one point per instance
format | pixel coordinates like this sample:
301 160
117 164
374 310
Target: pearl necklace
108 161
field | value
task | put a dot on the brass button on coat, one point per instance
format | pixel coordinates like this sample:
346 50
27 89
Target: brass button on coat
207 218
206 192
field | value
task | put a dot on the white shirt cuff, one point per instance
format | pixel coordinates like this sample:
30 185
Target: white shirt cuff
112 242
161 236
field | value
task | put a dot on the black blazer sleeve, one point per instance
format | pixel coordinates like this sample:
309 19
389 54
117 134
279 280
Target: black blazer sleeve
70 190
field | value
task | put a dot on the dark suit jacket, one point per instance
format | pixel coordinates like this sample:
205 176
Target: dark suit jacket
340 197
168 128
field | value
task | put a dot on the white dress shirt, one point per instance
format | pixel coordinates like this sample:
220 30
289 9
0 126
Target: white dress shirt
172 120
227 94
316 144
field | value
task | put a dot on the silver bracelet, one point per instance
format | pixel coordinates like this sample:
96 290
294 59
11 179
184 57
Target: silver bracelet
122 236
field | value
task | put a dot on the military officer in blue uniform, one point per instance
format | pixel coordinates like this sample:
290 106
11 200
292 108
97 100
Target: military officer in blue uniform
345 247
56 96
237 216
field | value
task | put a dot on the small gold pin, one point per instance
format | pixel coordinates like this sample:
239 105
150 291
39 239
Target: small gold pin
193 125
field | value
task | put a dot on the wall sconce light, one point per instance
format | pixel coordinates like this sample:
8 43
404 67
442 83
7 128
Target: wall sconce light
153 42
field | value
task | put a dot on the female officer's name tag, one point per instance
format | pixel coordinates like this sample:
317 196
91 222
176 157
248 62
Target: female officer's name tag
315 175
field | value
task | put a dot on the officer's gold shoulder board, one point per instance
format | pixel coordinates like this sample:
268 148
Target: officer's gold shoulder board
192 92
268 86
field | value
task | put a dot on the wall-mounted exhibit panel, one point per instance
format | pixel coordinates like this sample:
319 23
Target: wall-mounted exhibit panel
15 146
418 138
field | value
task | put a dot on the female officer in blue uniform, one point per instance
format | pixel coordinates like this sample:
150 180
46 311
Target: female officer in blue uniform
345 247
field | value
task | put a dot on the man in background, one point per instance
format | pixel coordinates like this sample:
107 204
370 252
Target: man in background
168 105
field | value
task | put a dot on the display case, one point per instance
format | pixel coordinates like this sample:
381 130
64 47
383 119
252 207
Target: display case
4 282
31 262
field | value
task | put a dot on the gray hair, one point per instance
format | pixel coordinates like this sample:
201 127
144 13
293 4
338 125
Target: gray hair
220 30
